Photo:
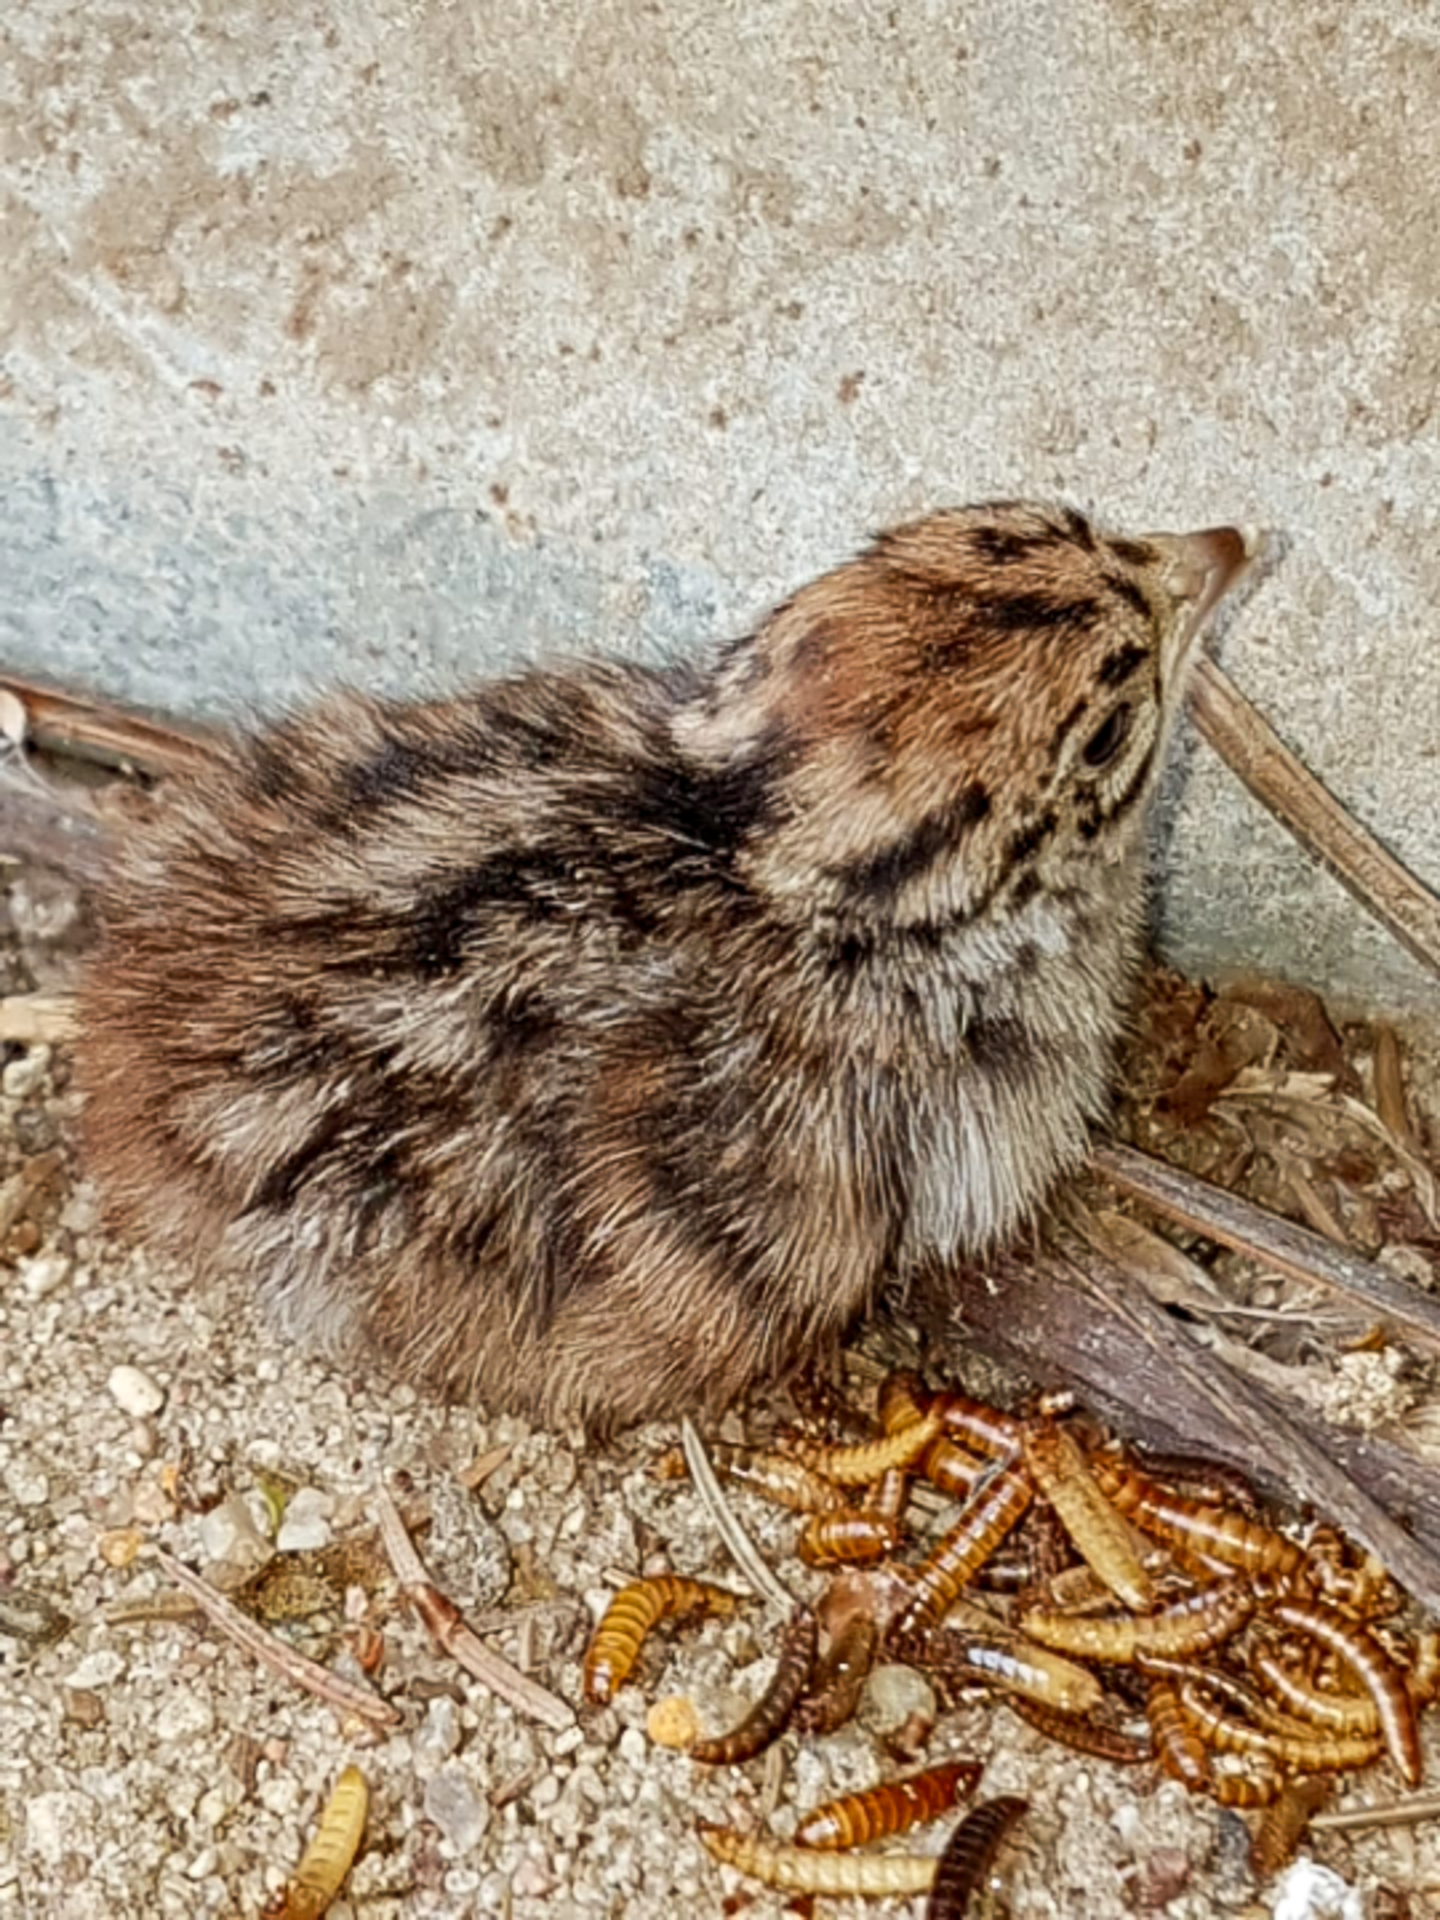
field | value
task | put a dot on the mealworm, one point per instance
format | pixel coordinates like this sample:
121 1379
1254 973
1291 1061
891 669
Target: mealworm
865 1876
1325 1753
839 1677
1282 1827
1254 1787
892 1808
630 1617
890 1495
1334 1712
1082 1732
770 1715
1363 1654
983 1429
1192 1625
1366 1590
902 1400
950 1468
984 1522
1229 1537
969 1854
775 1476
846 1539
1061 1476
1178 1746
332 1849
855 1466
1005 1660
1209 1482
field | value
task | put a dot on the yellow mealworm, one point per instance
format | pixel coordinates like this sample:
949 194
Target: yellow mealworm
631 1615
865 1876
1061 1476
332 1849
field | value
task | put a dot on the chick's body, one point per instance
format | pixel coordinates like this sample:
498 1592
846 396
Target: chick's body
598 1040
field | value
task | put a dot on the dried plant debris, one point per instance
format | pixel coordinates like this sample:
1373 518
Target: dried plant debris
1258 1090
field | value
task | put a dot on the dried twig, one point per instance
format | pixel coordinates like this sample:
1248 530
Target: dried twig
94 729
448 1628
275 1653
1256 755
1248 1229
1032 1313
745 1553
1398 1813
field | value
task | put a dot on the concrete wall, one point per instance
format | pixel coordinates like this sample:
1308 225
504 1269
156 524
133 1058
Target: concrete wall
388 340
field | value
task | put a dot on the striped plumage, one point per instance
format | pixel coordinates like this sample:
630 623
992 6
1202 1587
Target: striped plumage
600 1038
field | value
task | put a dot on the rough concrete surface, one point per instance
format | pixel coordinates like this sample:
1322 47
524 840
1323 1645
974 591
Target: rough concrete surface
389 341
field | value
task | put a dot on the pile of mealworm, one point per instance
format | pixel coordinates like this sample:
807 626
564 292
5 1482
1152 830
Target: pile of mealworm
1137 1613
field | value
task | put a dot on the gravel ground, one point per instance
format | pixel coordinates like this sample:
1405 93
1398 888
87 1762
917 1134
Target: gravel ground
150 1768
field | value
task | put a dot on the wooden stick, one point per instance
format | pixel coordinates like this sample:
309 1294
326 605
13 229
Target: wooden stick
1089 1325
1314 1476
448 1628
274 1653
93 729
1398 1813
1257 756
1264 1236
745 1553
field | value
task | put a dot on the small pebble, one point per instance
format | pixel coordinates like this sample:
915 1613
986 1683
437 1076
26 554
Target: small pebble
118 1546
184 1716
135 1392
84 1708
892 1694
150 1504
99 1669
438 1735
24 1076
229 1533
54 1822
29 1487
456 1809
46 1273
306 1525
280 1795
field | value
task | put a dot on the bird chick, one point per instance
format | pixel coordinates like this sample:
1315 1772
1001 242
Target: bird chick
597 1041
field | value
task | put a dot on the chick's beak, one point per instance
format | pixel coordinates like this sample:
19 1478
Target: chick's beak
1199 570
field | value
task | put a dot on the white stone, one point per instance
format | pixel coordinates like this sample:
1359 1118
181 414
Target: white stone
1306 1891
135 1392
22 1077
28 1486
98 1669
892 1694
306 1525
44 1273
217 1803
452 1803
438 1734
184 1716
55 1824
279 1794
229 1533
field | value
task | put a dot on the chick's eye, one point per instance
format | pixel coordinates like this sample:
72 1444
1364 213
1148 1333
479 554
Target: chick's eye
1109 737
